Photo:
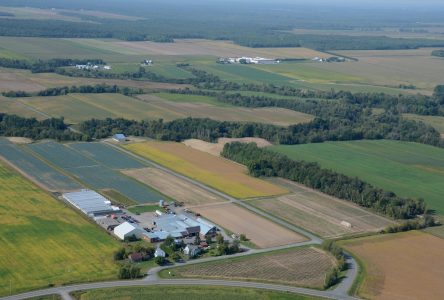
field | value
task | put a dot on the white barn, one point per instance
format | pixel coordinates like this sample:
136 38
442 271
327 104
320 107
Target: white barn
126 230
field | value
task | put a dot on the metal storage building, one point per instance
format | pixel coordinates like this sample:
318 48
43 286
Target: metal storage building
90 203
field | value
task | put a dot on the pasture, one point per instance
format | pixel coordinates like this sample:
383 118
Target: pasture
44 242
219 173
97 174
400 266
174 187
216 148
408 169
296 267
320 213
187 292
36 170
260 231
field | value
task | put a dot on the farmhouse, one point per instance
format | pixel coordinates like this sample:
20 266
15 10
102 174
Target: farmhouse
90 203
119 137
127 230
191 250
135 257
159 253
248 60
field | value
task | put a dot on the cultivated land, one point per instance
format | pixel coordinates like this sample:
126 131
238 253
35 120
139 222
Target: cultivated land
95 171
44 242
320 213
408 169
174 187
36 170
296 267
400 266
216 148
216 172
261 232
188 292
169 110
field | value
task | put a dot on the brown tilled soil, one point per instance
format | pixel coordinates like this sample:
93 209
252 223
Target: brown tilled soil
174 187
401 266
260 231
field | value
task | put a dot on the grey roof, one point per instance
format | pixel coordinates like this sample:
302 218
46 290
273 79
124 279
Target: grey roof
89 202
119 136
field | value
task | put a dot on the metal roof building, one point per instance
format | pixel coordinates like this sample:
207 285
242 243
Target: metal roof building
90 203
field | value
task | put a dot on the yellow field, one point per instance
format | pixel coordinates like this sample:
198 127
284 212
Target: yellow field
42 242
221 174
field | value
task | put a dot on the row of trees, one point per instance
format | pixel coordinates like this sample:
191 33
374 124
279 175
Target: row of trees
82 89
261 162
46 66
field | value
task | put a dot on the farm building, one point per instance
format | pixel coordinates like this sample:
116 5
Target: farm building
191 250
135 257
159 253
119 137
127 230
90 203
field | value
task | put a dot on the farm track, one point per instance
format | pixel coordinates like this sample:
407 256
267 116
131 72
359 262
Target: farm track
339 292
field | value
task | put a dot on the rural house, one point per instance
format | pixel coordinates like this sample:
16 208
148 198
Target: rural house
159 253
135 257
191 250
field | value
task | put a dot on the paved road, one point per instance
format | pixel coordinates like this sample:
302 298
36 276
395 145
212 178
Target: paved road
340 292
65 290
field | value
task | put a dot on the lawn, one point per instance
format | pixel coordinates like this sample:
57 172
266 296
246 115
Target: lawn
408 169
304 266
44 242
216 172
187 293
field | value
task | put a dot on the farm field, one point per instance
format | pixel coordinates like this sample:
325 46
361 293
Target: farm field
36 170
400 266
174 187
216 148
13 107
261 232
57 245
320 213
435 121
408 169
94 173
216 172
188 292
169 110
393 67
297 267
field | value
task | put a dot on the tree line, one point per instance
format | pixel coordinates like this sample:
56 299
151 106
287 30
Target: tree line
262 162
438 53
46 66
82 89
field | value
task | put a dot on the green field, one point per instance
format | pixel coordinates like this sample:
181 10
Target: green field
44 242
144 208
408 169
191 99
35 168
100 174
187 293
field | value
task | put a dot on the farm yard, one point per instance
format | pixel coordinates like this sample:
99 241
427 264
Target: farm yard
400 266
95 171
216 172
174 187
261 232
34 169
320 213
408 169
188 292
297 267
44 242
216 148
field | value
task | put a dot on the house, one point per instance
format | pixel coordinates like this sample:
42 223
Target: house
119 137
135 257
159 253
127 230
191 250
203 245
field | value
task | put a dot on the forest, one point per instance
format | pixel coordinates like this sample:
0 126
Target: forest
262 162
46 66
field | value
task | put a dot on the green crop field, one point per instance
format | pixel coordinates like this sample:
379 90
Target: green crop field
44 242
187 293
35 168
96 174
191 99
408 169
